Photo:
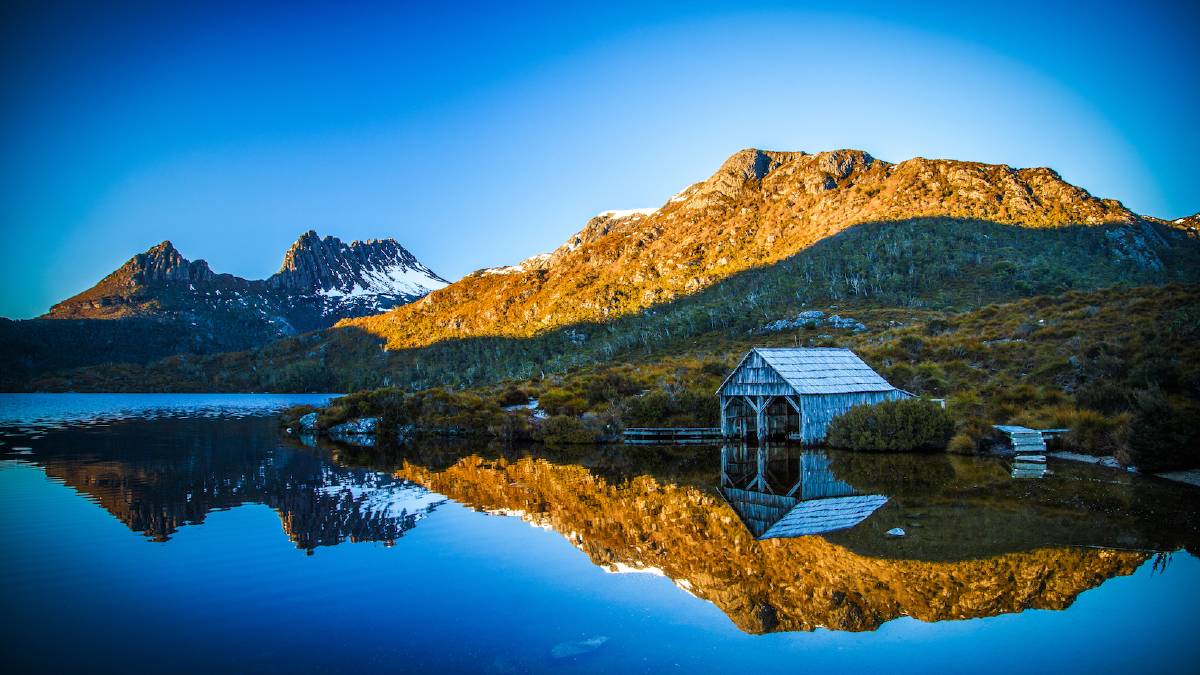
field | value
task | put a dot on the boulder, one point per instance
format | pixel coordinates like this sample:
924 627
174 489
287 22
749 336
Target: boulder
308 422
356 427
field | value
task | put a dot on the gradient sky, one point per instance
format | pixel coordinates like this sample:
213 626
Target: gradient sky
480 134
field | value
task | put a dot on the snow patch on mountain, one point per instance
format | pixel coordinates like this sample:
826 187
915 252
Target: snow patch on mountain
530 263
627 213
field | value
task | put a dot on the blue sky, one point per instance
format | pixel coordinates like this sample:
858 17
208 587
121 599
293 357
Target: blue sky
480 134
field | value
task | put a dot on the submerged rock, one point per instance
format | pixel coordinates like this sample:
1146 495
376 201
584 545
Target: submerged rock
896 532
565 650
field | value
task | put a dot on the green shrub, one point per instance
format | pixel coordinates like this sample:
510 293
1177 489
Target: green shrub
904 425
561 402
1163 434
962 444
513 395
1095 434
563 430
290 416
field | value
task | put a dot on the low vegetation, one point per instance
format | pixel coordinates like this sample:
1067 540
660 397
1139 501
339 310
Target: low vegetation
905 425
1119 368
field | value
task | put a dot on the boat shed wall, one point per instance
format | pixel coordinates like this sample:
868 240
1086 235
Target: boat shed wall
755 377
820 409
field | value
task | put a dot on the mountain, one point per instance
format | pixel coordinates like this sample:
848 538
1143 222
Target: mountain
320 281
767 236
759 208
160 303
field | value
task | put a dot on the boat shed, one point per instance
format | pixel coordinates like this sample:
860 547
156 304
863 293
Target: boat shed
795 392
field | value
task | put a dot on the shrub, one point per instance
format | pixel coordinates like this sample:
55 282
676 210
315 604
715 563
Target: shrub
962 444
563 429
290 416
561 402
1163 435
1105 396
903 425
1094 434
513 395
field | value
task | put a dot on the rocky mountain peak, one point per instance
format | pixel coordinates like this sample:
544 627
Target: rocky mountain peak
373 267
164 263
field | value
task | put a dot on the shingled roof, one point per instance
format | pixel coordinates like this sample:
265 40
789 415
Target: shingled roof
821 370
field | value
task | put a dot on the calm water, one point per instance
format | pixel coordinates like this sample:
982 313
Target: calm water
185 534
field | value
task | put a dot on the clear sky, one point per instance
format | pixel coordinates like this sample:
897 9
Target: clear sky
480 134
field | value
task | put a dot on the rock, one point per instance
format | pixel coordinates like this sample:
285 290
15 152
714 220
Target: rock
896 532
565 650
813 319
356 427
308 422
405 433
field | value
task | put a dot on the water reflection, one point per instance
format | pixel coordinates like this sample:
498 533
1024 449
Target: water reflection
157 476
971 552
778 539
782 493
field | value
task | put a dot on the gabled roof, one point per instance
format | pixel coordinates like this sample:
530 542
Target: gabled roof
820 370
817 516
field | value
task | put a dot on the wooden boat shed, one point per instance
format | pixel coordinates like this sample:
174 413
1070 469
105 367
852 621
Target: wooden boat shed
795 392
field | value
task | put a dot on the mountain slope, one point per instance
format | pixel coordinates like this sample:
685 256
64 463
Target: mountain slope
759 208
160 303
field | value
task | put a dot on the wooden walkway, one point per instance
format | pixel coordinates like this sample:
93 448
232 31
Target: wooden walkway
1029 448
671 436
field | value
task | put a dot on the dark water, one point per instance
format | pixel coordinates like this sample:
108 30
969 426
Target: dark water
185 534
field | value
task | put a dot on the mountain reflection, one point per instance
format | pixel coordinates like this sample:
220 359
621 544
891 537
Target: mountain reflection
159 475
854 578
777 538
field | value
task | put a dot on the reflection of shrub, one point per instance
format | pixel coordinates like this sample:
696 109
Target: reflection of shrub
894 475
561 429
903 425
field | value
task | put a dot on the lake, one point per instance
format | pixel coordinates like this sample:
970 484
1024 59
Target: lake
189 533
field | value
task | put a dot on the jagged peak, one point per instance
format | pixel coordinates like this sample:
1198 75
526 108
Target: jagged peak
165 246
327 264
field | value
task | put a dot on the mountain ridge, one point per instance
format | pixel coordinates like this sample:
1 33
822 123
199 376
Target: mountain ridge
320 280
766 236
759 207
159 303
